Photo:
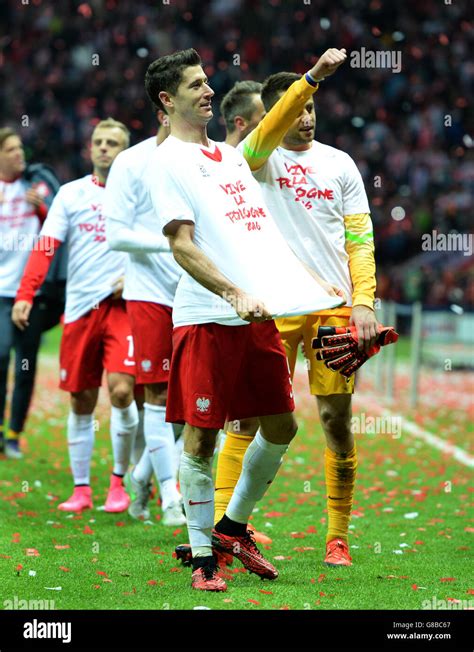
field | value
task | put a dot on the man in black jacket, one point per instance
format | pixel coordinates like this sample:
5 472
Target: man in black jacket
25 196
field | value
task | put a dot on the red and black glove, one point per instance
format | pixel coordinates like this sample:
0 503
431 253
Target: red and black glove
338 347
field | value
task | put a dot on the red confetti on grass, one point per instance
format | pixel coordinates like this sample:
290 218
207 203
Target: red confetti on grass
87 530
62 547
96 586
321 577
103 573
265 592
274 514
311 530
176 532
298 535
32 552
120 524
16 536
175 570
470 591
253 601
414 587
447 579
419 543
152 582
5 556
19 567
63 568
469 529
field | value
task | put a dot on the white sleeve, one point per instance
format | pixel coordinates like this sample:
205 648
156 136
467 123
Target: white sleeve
56 224
169 198
119 211
354 195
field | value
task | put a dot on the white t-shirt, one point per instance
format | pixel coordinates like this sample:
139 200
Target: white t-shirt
308 193
214 188
76 215
19 228
132 226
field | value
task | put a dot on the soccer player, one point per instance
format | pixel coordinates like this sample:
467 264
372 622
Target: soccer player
97 332
150 284
242 109
228 360
319 202
23 209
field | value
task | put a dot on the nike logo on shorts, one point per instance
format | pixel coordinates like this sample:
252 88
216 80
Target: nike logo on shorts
204 502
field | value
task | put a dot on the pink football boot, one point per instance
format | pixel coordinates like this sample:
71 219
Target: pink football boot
81 499
117 499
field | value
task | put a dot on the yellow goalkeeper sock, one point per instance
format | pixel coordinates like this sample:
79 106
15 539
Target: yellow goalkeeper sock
12 434
229 466
340 471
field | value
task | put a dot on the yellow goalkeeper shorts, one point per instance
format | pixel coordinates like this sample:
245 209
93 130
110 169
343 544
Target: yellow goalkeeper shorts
293 330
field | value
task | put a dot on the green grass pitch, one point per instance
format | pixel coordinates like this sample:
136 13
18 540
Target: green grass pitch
411 533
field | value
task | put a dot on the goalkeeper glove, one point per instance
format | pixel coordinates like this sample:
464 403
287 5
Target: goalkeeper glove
338 347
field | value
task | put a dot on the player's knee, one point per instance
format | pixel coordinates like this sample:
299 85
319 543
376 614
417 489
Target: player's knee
336 423
83 402
121 394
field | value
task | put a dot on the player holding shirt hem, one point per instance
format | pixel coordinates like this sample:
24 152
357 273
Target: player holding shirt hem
237 269
96 333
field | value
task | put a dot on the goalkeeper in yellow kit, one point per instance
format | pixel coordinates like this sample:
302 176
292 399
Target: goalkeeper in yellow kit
317 197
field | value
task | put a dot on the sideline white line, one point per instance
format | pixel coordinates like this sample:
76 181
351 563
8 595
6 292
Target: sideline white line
459 454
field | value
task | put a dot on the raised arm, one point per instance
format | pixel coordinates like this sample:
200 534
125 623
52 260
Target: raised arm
261 142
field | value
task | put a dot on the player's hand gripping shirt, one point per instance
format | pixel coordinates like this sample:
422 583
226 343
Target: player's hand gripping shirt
131 226
76 215
214 188
19 227
317 198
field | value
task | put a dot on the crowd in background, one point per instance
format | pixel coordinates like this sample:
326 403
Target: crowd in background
65 65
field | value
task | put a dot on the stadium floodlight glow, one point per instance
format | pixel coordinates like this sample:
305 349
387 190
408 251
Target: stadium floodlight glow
357 122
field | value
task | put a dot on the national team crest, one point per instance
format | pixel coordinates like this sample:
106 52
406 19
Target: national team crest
146 365
203 404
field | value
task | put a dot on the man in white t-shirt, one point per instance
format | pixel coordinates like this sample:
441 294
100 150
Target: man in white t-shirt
151 278
237 269
97 332
320 205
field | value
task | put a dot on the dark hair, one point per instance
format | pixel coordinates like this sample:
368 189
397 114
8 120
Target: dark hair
237 102
274 85
6 132
166 74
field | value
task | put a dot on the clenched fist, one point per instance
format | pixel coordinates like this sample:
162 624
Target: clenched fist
328 63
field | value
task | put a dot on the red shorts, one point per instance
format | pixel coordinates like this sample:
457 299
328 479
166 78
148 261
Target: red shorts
152 328
100 339
227 372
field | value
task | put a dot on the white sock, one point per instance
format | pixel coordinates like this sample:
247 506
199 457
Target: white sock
261 462
80 437
143 471
139 442
123 426
197 486
159 437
